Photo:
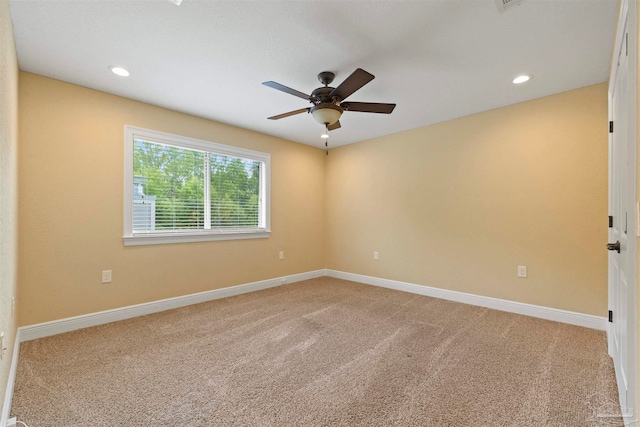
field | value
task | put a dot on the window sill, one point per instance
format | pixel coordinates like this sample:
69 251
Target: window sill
168 238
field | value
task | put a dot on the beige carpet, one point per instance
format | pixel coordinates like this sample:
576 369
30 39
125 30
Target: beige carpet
320 352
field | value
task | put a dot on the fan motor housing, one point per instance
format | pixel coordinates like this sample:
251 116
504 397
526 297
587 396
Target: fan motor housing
322 95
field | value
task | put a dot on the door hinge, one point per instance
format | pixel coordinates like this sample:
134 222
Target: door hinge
610 316
611 126
610 221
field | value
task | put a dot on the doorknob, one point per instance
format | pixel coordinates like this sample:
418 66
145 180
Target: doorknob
614 246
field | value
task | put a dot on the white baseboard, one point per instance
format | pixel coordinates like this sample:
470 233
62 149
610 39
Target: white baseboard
8 394
557 315
40 330
54 327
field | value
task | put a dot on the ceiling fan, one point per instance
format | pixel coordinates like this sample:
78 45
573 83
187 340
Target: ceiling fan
328 102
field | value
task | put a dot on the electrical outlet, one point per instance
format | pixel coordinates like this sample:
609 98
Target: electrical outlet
281 255
522 271
376 255
106 276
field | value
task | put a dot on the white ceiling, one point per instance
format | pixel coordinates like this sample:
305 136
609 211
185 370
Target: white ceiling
437 59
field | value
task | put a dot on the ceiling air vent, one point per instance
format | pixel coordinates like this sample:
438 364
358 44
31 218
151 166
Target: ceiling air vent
504 5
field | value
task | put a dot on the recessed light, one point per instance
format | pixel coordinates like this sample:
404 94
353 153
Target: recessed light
523 78
324 136
119 71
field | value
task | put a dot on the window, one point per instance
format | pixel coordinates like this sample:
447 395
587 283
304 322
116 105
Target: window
179 189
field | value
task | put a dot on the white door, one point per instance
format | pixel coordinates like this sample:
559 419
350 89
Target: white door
623 227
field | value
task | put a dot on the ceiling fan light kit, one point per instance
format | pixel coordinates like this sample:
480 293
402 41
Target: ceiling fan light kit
326 114
327 101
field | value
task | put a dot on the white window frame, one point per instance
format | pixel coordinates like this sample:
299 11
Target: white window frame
132 238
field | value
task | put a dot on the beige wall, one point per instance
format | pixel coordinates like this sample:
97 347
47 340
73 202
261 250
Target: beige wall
71 207
8 188
460 204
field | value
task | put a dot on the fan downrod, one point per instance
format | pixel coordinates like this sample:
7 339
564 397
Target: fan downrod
326 77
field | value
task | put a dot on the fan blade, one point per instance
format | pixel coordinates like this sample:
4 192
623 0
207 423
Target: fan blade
288 90
334 126
368 107
290 113
355 81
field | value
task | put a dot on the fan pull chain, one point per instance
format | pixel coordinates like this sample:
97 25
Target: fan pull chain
326 138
